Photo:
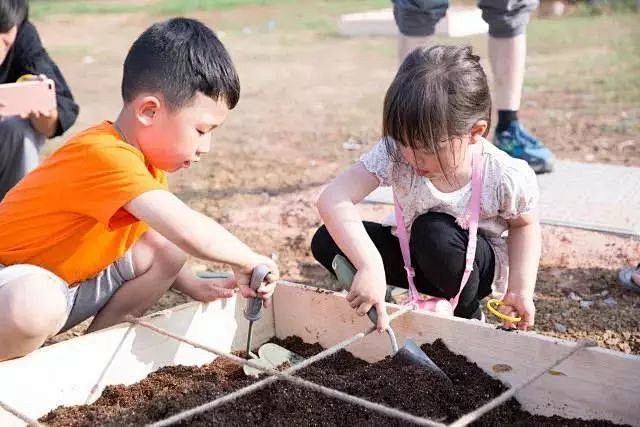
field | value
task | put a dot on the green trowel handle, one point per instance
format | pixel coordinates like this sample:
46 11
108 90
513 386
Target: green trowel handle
345 272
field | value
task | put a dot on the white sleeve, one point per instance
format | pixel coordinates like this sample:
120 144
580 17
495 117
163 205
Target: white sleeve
378 161
518 190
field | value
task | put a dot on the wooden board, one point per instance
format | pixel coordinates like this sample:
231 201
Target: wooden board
76 371
594 383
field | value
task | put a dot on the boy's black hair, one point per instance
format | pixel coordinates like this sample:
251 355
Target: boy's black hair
177 58
12 13
439 93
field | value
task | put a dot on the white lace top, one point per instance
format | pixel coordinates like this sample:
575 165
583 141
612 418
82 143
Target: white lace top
509 190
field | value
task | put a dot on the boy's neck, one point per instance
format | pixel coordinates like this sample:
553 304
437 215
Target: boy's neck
125 126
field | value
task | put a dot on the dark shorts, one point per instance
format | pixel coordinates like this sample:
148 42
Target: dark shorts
506 18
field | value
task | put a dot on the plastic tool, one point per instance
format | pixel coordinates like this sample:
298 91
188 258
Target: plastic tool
492 306
269 355
409 352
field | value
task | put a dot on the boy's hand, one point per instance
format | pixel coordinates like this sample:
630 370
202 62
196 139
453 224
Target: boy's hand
212 289
515 305
243 278
368 290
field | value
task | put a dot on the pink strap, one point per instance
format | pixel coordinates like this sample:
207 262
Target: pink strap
473 215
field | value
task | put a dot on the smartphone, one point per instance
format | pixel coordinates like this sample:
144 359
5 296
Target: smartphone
24 97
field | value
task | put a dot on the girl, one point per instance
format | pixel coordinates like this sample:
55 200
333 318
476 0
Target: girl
436 114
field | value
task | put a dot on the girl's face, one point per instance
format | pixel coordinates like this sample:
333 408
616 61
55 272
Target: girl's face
6 41
449 161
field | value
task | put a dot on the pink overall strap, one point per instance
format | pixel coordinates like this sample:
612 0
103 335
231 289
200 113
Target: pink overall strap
473 213
401 230
474 216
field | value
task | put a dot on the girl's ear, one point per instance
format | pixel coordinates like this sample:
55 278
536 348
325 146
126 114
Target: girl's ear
478 130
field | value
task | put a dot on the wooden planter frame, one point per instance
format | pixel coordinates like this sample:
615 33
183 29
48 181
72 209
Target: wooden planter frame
593 383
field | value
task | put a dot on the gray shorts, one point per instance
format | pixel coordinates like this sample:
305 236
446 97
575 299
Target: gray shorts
87 297
506 18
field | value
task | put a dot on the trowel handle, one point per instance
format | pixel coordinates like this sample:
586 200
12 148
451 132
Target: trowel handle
345 273
253 309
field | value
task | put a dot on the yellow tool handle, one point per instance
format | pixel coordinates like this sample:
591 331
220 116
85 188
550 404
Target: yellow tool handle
495 312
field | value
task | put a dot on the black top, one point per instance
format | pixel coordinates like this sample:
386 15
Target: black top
27 56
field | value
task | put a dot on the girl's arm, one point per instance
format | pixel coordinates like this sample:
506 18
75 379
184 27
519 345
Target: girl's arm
524 245
337 209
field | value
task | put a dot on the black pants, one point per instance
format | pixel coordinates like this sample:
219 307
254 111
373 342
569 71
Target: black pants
438 248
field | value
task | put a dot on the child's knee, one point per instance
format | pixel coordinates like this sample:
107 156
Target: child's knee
32 306
323 247
154 250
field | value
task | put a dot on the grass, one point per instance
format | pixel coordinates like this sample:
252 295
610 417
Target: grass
591 55
597 56
319 10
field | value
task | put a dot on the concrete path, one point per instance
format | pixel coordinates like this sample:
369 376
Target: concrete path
581 195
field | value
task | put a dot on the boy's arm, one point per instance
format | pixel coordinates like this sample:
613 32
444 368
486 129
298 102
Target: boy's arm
336 207
197 234
524 245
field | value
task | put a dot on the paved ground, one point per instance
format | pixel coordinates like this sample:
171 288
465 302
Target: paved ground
590 196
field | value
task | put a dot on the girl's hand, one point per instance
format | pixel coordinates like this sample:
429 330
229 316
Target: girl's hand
368 290
243 278
515 305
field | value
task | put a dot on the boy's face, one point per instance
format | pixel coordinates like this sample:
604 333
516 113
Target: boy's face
6 41
172 140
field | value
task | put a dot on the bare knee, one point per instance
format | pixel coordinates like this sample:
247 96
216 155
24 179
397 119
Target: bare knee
33 306
154 250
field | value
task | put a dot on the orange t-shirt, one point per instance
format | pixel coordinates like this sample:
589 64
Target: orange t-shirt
67 216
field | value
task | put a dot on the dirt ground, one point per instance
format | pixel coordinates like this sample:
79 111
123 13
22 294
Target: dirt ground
391 382
306 92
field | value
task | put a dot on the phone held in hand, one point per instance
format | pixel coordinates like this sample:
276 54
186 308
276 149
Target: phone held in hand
24 97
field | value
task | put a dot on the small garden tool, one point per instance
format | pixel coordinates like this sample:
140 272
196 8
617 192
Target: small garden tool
269 355
409 352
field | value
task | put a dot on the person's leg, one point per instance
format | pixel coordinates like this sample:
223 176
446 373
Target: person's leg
507 21
33 307
416 21
19 147
438 249
324 249
155 264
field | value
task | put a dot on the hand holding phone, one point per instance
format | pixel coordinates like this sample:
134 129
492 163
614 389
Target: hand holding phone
33 96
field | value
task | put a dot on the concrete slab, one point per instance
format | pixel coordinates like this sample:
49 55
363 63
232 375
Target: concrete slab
459 22
581 195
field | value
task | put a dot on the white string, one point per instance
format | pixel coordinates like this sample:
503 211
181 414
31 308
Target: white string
499 400
276 375
18 414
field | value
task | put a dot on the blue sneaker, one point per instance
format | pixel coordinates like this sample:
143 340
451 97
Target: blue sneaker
519 143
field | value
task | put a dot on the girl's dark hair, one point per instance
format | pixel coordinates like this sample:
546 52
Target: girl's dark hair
178 58
12 13
439 93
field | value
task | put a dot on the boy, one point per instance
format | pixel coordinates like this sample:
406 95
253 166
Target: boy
21 53
94 230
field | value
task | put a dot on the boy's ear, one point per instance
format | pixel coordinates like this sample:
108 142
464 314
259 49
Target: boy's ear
147 109
479 129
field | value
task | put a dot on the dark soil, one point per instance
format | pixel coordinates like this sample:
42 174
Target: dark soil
417 391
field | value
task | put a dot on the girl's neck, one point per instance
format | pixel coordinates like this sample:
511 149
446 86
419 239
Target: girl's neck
462 176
